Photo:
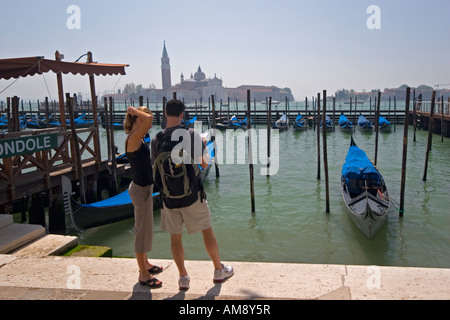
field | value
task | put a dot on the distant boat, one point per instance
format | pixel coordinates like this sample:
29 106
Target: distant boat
274 102
344 123
383 124
364 192
355 102
328 124
232 123
79 122
190 123
364 124
4 123
238 124
300 123
116 125
282 123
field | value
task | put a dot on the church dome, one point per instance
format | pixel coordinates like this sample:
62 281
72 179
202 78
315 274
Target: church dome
199 75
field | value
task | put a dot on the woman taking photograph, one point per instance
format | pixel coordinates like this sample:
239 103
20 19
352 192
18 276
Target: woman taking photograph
138 122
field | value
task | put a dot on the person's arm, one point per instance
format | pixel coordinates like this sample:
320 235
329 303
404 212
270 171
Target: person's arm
134 139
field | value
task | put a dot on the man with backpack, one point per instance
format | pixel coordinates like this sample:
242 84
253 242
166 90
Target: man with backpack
177 153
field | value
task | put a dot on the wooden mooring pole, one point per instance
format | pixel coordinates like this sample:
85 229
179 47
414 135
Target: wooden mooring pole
325 159
269 122
442 118
214 136
405 152
250 154
318 135
76 148
113 152
377 129
414 115
430 135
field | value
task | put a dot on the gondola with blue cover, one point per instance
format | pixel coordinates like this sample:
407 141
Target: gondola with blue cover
344 123
300 123
364 192
282 123
364 124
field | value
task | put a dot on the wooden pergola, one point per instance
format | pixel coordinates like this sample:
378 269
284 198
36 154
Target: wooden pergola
29 66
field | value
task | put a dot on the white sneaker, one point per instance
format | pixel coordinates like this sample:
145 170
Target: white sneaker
183 283
221 275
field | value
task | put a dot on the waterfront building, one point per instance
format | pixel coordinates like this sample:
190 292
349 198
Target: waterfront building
198 88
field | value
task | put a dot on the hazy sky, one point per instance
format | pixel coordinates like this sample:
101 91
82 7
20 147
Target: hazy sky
307 46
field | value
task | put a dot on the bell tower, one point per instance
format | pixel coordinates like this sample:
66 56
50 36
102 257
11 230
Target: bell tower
165 69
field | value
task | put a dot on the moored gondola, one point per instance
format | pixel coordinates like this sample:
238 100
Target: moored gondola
344 123
364 192
282 123
364 124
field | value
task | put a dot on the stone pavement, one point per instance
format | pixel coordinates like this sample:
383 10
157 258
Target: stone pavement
43 277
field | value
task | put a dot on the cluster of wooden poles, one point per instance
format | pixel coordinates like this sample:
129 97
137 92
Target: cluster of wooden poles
324 136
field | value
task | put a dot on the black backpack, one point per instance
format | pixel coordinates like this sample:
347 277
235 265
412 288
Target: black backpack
179 183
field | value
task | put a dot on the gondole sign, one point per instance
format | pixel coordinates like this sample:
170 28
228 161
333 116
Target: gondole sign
28 144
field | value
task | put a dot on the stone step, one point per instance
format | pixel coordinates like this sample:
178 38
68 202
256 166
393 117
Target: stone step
17 235
5 220
48 245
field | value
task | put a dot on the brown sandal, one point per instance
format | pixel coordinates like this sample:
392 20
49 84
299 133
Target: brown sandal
152 283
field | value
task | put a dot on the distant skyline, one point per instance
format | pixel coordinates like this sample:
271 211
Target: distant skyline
308 46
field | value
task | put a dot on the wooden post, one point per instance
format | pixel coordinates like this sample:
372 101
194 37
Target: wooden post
46 112
377 122
250 154
318 135
76 148
62 112
214 135
405 152
96 139
113 153
306 112
430 135
395 113
442 118
108 136
414 114
269 128
334 112
325 159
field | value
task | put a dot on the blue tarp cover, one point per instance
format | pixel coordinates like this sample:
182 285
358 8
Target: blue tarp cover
357 166
363 122
343 121
383 121
188 122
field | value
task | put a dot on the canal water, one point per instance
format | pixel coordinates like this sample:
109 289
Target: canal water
290 223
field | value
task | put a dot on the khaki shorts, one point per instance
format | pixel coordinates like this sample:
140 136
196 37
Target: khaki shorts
195 217
143 216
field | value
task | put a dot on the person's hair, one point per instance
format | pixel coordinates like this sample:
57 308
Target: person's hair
174 108
130 119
